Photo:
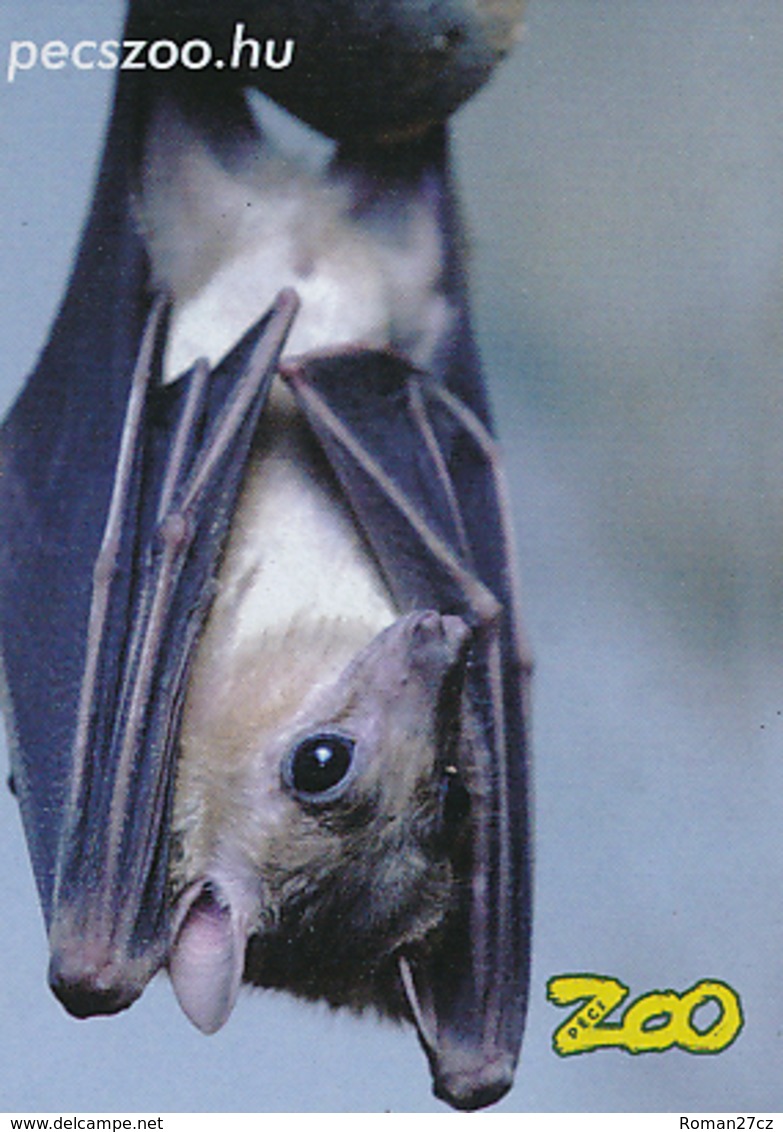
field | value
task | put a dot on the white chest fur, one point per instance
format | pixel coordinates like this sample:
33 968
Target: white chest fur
294 553
226 241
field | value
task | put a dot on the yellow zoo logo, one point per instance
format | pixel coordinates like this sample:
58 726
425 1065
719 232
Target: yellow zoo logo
652 1023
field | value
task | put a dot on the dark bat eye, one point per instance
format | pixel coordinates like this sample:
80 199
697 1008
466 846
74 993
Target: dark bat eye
320 764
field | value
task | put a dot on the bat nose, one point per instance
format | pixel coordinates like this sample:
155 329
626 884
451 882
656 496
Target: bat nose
437 640
90 982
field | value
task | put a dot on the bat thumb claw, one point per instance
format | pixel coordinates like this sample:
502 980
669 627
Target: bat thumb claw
207 957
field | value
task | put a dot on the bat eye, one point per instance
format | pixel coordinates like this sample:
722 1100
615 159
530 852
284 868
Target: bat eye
319 765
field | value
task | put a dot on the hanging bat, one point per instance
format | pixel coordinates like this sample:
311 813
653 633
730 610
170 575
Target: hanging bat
263 676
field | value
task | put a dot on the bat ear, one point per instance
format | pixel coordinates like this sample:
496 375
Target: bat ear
208 954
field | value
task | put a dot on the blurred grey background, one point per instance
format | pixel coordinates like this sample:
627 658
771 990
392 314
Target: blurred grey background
622 181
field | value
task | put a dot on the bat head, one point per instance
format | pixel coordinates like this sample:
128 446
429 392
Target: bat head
326 848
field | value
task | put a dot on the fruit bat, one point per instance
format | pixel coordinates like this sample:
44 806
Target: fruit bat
262 667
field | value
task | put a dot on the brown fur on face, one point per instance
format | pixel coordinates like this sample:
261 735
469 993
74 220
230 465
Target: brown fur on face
327 888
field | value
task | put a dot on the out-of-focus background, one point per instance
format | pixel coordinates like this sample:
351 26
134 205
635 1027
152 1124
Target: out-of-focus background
622 181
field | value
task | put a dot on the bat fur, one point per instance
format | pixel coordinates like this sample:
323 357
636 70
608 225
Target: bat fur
292 641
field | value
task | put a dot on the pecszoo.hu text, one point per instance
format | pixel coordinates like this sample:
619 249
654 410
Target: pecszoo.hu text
244 53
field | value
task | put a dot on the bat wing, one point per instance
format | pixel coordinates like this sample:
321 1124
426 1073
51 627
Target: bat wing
96 671
419 469
115 497
57 456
